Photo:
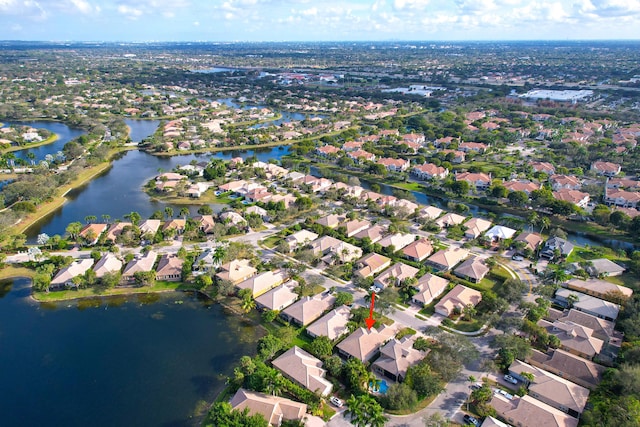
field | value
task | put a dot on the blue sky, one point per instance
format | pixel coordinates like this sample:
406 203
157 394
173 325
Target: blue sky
311 20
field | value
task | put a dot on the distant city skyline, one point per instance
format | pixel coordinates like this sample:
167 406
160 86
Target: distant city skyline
306 20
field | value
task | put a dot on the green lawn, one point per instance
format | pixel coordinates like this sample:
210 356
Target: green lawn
71 294
271 241
466 326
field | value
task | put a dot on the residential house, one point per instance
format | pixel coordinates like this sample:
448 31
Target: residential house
231 217
274 409
592 305
236 271
308 309
493 422
475 227
458 298
397 240
473 269
446 259
602 329
150 226
331 221
304 369
142 263
428 171
500 232
352 145
622 198
418 250
531 240
578 198
327 150
604 267
526 411
562 246
116 229
606 168
566 365
455 156
551 389
361 155
623 183
261 283
429 288
279 297
600 289
574 338
334 249
363 344
394 165
300 239
332 325
395 274
374 233
371 264
355 226
396 356
568 182
177 224
543 167
430 212
91 232
450 219
205 223
109 263
525 186
66 274
169 268
478 180
477 147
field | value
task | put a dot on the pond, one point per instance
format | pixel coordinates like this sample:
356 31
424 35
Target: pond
140 129
137 361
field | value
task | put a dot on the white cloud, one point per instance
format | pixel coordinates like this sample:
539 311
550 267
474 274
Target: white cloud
84 7
129 12
196 24
410 4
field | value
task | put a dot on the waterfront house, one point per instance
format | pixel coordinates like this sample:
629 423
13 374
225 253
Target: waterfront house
261 283
169 268
236 271
274 409
430 212
450 219
308 309
500 232
429 288
600 289
304 369
332 325
562 246
478 180
176 224
142 263
578 198
91 232
109 263
363 344
150 226
66 274
458 298
428 171
205 223
531 240
116 229
279 297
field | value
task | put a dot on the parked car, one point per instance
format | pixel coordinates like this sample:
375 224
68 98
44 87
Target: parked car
517 258
475 386
508 378
504 393
470 420
335 401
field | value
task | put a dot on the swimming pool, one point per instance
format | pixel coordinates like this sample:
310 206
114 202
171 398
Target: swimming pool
379 387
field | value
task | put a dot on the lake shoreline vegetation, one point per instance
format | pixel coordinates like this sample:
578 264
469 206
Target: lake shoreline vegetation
519 169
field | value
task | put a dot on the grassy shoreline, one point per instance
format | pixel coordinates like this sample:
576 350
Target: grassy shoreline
53 138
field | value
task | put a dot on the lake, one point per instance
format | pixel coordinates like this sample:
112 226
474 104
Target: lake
139 361
64 132
119 190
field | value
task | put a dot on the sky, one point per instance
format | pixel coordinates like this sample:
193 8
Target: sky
318 20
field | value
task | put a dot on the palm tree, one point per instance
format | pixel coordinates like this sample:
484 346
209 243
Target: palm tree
273 383
168 211
184 212
218 255
106 218
545 223
248 304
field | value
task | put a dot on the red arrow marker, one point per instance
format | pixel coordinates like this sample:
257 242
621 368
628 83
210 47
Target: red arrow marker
370 320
